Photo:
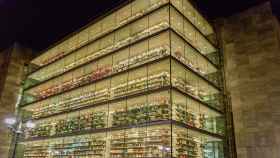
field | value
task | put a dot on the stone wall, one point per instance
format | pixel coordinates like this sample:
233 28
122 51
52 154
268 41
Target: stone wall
12 62
250 43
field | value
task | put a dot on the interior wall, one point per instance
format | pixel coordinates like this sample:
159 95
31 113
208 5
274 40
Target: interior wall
250 42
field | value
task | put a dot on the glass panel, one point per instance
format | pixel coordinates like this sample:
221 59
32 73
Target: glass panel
88 94
95 30
117 114
196 116
137 80
94 118
177 47
178 76
73 42
158 74
94 47
120 60
123 14
190 32
211 121
138 6
136 111
102 92
43 128
52 55
107 41
116 143
88 69
139 26
177 21
161 41
78 77
68 62
159 107
122 35
138 49
104 68
108 23
83 37
159 16
178 4
81 53
119 85
188 143
157 2
179 109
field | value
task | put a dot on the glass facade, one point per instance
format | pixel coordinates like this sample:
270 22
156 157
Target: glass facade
142 82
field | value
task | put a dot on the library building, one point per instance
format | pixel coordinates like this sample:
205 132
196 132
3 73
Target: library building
156 79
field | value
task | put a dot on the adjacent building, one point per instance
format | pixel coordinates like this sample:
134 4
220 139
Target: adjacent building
13 62
250 42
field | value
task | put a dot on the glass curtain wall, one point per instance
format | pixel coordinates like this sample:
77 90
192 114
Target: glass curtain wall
142 82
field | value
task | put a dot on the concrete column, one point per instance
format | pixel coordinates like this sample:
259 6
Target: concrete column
12 62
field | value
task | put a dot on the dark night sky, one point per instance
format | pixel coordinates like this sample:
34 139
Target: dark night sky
39 23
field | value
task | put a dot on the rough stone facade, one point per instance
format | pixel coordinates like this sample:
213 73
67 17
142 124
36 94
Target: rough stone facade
250 42
12 62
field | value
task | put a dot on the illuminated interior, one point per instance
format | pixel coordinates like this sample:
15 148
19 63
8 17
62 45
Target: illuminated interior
141 82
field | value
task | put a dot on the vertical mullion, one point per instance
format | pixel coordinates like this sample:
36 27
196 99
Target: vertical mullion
147 96
170 82
127 80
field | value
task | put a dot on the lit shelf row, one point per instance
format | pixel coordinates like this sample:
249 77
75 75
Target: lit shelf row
145 142
143 52
134 111
144 27
116 20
